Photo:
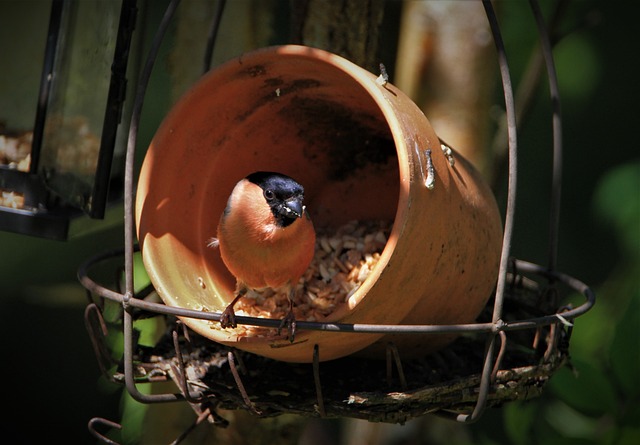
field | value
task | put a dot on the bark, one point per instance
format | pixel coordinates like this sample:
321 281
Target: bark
349 28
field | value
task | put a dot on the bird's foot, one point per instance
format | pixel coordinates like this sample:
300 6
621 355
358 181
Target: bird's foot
289 321
228 318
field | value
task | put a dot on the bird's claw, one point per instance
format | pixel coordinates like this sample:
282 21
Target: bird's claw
228 318
289 321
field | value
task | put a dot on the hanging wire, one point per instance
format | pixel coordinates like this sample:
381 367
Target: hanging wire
556 180
213 34
513 158
488 365
526 90
128 212
99 421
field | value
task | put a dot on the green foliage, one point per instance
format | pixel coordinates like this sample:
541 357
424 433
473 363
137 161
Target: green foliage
617 203
585 388
133 415
577 50
624 352
519 420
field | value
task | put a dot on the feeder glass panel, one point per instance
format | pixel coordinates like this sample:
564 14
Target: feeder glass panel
79 132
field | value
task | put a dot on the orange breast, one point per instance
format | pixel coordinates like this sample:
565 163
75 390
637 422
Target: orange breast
255 250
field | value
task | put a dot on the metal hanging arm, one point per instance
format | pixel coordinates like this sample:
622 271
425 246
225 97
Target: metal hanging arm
556 184
129 231
488 366
513 158
213 34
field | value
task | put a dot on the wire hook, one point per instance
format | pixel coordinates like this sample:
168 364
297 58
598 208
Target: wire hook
99 421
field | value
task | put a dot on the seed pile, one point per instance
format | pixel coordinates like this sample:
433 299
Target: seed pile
11 199
15 151
343 260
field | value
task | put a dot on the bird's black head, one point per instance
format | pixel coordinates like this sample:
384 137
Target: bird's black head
283 195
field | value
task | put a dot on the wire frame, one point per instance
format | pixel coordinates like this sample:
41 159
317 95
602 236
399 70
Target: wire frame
496 327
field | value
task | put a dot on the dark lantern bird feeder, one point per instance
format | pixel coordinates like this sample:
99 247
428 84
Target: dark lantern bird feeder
62 149
486 368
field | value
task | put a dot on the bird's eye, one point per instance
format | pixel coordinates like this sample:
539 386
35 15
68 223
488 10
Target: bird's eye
269 195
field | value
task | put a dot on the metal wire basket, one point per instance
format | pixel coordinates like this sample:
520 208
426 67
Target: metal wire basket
519 341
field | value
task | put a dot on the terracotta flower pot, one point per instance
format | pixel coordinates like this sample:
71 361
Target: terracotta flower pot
359 149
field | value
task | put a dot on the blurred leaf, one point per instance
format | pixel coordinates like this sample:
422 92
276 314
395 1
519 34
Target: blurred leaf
625 349
133 415
589 392
569 422
112 311
617 202
631 416
578 66
518 421
140 277
106 385
115 340
628 436
151 329
592 331
484 439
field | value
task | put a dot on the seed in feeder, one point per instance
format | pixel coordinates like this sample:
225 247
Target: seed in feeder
324 243
340 265
11 199
324 272
448 153
336 244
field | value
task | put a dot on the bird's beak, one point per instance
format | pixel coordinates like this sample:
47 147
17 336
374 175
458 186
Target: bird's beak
293 207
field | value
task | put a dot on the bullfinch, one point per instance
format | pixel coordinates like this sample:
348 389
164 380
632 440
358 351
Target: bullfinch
266 238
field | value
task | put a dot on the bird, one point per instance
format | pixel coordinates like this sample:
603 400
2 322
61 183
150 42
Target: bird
266 239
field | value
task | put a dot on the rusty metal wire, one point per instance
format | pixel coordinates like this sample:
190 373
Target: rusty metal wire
556 169
213 33
489 327
496 329
316 380
93 423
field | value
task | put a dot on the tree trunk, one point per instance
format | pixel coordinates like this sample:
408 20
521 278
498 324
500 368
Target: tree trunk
349 28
